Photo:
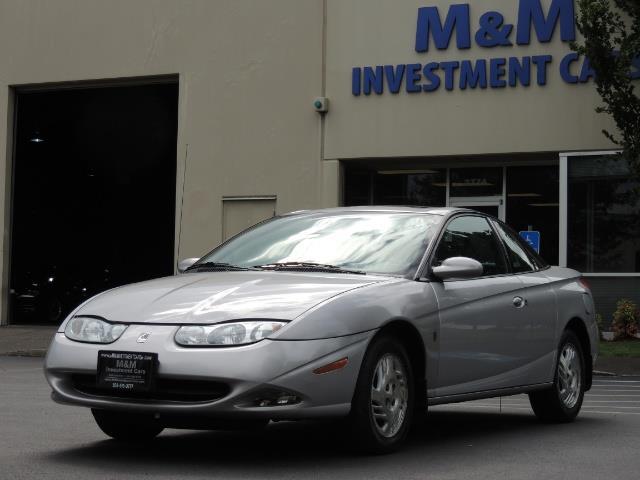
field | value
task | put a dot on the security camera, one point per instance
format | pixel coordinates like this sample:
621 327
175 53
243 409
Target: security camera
321 104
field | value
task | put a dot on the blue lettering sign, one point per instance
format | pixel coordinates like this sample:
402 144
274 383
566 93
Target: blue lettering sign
356 81
492 31
497 72
519 71
541 62
429 73
449 72
530 14
413 78
430 23
565 68
394 77
373 80
473 76
587 73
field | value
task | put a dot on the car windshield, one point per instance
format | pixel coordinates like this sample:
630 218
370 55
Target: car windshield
372 242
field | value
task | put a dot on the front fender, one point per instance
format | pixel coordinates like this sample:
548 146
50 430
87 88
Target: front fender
367 308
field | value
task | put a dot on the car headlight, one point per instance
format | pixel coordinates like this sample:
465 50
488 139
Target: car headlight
226 334
93 330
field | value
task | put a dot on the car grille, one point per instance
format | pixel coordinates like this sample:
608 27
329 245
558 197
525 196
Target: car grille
169 389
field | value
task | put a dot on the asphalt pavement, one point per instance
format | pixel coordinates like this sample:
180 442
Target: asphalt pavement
486 439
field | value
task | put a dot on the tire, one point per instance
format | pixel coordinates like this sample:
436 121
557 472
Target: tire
561 403
125 426
383 404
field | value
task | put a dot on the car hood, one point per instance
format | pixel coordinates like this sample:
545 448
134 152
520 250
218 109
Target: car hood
204 298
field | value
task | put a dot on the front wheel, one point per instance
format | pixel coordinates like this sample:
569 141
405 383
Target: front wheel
382 405
125 426
562 401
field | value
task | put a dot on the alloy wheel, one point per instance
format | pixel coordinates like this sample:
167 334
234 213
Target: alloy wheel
389 395
569 376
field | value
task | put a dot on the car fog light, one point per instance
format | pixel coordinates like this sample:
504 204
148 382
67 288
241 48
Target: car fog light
272 398
280 401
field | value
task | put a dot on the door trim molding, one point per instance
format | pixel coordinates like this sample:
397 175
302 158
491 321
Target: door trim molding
501 392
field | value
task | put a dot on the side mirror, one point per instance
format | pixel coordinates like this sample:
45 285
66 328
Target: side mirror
186 263
458 267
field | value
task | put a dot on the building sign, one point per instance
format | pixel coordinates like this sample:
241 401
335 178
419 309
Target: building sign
493 31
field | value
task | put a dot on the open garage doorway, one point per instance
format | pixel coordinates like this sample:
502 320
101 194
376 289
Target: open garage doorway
93 193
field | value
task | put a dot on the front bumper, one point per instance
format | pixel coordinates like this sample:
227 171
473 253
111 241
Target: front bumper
247 372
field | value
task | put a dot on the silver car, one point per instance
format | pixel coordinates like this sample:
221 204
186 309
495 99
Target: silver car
369 313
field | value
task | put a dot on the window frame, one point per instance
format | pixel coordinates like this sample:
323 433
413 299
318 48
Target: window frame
428 267
565 157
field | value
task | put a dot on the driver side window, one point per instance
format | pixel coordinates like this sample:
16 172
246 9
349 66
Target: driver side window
472 237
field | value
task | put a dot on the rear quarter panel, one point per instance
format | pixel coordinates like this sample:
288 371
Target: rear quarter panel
573 301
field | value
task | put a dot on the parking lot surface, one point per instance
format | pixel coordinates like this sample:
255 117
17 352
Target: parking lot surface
486 439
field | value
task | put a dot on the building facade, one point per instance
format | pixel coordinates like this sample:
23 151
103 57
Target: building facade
481 105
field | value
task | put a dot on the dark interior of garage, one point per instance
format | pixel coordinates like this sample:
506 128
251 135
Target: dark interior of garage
93 206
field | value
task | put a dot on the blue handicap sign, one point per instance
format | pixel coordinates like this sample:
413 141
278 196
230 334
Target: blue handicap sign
532 238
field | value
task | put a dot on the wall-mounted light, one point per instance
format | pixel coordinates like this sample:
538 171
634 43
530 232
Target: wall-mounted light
321 104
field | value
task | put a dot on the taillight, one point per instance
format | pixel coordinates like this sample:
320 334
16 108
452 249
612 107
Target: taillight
583 281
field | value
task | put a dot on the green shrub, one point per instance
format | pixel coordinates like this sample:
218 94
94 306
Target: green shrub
625 319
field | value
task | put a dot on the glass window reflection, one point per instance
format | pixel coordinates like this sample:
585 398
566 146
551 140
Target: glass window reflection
426 187
389 243
603 215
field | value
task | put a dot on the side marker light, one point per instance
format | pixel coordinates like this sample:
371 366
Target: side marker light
333 366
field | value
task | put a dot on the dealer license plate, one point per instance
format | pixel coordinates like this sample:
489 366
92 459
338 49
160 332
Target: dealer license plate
126 371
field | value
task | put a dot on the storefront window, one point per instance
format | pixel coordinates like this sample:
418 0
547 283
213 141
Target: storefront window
388 187
357 188
603 224
533 204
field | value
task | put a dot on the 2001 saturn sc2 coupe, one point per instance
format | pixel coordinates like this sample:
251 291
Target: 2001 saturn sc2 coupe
369 313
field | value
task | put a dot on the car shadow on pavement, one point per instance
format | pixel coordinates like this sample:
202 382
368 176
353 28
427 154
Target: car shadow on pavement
304 446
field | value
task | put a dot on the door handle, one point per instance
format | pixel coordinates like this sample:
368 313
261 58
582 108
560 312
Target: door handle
519 302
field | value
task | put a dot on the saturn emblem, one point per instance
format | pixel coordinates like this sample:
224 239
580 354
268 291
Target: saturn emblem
143 338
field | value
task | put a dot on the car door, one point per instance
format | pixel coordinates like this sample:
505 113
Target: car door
539 309
483 335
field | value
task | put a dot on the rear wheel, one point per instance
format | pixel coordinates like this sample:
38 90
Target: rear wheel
562 401
125 426
382 405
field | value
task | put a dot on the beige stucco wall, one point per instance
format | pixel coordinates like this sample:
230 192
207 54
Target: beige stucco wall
249 71
555 117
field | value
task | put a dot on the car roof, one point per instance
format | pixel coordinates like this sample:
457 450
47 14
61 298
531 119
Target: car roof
442 211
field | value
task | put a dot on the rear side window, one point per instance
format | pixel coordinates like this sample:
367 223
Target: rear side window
520 260
472 237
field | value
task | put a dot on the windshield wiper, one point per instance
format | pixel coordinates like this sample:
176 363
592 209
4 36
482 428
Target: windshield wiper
307 267
217 267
